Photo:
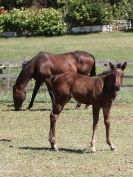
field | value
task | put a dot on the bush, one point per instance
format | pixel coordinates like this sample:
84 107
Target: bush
33 22
121 10
82 14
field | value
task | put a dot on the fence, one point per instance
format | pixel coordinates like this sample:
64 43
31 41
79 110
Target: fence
7 77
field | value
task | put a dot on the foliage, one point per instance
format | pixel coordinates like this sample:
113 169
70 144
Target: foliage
34 22
80 14
121 10
10 4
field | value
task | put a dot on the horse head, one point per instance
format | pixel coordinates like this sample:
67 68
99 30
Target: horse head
117 74
19 96
113 79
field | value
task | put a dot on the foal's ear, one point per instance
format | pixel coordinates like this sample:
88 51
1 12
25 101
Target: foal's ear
111 66
124 65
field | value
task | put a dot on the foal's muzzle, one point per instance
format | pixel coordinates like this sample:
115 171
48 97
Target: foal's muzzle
117 88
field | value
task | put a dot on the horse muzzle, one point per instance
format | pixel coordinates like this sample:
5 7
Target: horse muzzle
117 88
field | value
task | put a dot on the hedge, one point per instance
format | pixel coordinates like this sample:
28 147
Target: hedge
33 22
83 14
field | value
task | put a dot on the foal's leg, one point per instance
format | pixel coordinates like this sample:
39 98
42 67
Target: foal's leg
53 119
57 108
96 111
106 113
36 88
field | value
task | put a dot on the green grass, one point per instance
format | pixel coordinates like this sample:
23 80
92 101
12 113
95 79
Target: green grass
104 46
124 96
118 45
27 154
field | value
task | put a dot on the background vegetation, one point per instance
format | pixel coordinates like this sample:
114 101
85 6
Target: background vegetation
24 146
30 19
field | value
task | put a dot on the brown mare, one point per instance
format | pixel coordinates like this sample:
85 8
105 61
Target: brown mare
44 65
98 91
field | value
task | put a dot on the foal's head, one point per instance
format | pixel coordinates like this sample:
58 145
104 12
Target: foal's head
19 96
116 77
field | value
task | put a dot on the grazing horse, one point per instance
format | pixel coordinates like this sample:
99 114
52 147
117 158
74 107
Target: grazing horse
98 91
44 65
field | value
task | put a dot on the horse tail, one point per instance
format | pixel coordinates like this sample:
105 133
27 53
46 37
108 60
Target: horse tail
93 70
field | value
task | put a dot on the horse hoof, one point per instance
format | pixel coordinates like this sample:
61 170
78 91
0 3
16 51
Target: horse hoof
55 148
93 150
113 148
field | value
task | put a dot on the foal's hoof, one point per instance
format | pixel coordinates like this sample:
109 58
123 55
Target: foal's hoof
113 148
55 148
93 150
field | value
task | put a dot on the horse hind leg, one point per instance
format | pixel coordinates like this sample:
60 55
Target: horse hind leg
78 105
106 113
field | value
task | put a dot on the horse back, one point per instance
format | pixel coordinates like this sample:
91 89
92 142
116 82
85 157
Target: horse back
77 61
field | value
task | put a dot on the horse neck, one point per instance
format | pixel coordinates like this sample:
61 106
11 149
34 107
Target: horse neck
23 79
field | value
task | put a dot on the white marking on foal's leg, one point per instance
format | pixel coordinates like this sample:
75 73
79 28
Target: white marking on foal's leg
113 148
56 147
93 149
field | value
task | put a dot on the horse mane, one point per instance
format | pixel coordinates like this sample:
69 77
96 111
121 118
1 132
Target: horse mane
98 86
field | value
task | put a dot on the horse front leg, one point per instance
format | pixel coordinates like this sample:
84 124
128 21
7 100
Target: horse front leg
53 120
96 111
106 113
36 88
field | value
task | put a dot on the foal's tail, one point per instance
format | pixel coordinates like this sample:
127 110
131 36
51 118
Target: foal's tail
93 70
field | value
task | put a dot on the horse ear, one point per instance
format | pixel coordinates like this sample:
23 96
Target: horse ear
111 66
124 65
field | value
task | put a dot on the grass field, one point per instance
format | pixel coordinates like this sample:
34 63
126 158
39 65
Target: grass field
25 150
24 146
118 45
104 46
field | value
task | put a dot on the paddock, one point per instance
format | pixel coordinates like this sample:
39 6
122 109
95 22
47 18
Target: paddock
25 150
24 147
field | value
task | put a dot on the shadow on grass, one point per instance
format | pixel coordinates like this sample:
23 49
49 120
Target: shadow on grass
23 110
48 109
11 108
77 151
5 140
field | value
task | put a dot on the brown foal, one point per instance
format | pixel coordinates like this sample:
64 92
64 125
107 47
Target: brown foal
98 91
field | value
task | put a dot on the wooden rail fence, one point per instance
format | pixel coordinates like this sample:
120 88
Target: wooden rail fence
7 78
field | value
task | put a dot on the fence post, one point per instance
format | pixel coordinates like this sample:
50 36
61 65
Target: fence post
7 80
1 69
